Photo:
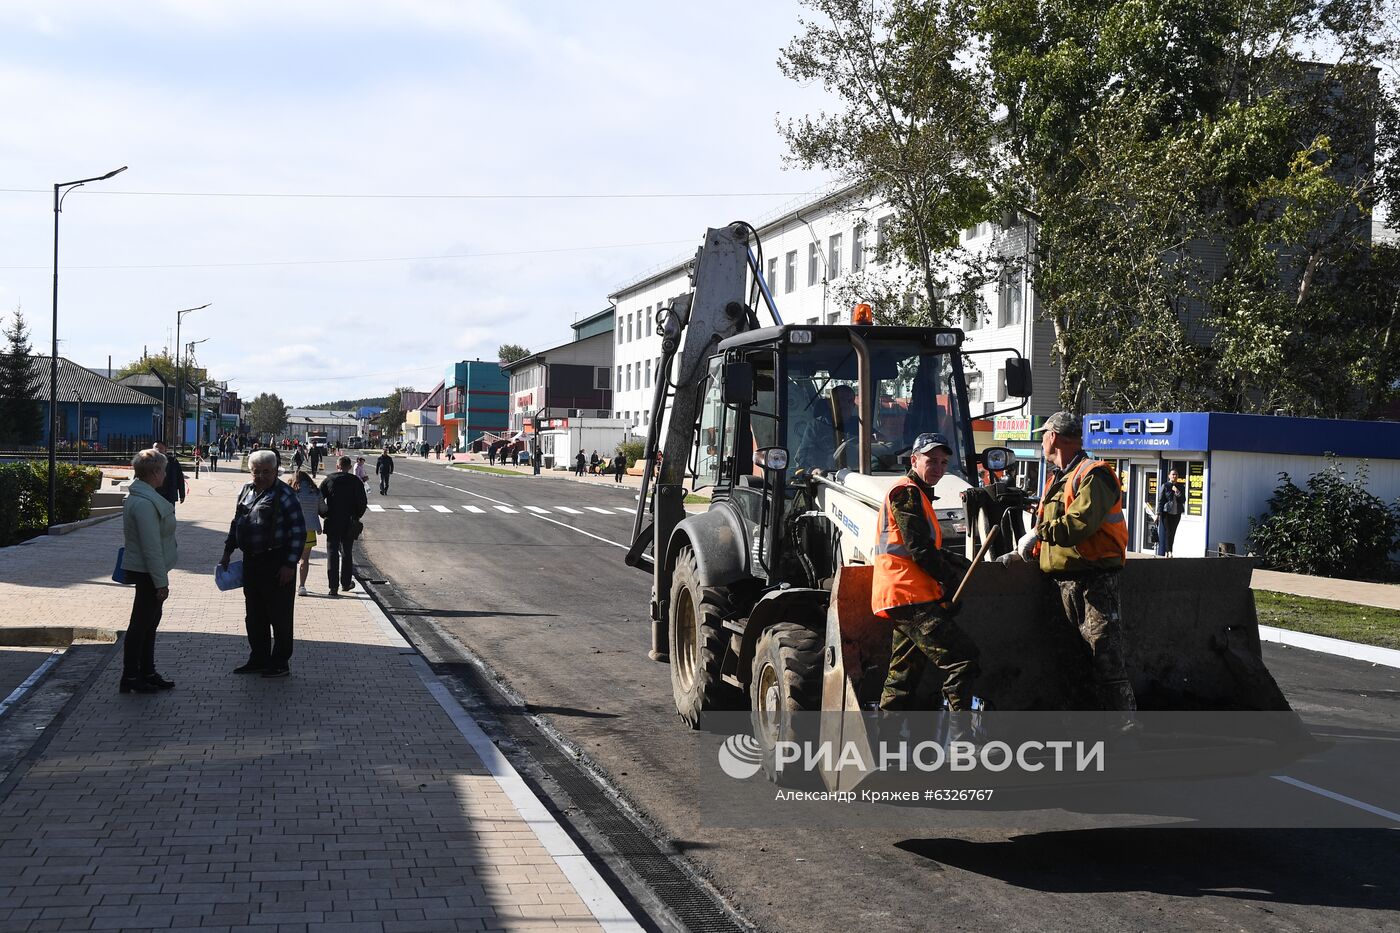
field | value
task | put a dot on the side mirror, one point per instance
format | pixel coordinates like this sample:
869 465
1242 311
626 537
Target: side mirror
1018 376
738 383
998 459
771 458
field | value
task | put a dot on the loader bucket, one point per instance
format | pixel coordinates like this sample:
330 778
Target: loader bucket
1191 636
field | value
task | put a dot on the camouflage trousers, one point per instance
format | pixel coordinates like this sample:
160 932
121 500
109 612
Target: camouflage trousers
1091 604
923 636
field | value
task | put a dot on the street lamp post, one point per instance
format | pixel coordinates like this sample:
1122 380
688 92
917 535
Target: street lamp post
198 405
79 396
180 375
59 193
535 459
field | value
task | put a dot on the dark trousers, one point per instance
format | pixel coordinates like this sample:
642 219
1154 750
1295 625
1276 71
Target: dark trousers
268 608
1091 603
340 561
1166 532
922 636
383 483
139 651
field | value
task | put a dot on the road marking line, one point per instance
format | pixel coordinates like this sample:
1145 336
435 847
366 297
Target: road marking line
625 511
506 508
475 508
408 508
594 508
565 508
376 508
542 518
441 508
1340 798
537 510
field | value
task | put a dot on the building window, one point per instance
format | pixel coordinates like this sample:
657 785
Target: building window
973 319
1011 302
833 256
646 418
882 231
602 379
834 317
773 273
618 324
813 257
628 376
651 317
629 328
619 379
648 373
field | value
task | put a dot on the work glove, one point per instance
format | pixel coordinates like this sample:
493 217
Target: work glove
1026 546
1013 557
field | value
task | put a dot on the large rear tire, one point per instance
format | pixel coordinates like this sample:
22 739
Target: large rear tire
697 640
787 679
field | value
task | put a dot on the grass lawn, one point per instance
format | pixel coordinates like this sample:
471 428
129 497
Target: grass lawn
1365 624
692 499
478 468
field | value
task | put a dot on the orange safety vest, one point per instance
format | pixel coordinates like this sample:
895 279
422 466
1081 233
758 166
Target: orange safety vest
1111 540
899 580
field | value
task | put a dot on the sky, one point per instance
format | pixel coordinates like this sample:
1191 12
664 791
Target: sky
366 192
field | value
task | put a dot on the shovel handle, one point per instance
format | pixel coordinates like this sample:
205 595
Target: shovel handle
991 536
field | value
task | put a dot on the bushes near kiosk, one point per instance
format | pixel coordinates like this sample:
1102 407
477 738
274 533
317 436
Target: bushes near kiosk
24 493
1334 527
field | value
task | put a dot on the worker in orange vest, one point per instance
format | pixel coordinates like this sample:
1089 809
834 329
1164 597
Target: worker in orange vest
913 582
1081 542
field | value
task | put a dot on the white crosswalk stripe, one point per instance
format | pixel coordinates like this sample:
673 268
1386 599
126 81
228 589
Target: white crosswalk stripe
567 510
536 509
376 508
441 508
475 509
407 508
507 509
625 511
594 508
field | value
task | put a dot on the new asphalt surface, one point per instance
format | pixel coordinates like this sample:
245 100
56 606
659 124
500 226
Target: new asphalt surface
527 574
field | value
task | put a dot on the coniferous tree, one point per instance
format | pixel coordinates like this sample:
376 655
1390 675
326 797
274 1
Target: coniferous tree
21 417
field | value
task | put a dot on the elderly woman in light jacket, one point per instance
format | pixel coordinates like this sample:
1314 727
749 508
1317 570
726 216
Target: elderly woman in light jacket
148 520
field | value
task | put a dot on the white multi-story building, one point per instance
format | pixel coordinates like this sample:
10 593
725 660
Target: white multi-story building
807 252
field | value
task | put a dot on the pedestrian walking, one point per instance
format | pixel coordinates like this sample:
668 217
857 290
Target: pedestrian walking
580 463
298 457
384 468
491 455
914 580
345 506
1081 543
172 487
361 472
593 462
315 455
309 498
148 534
437 451
1171 503
619 466
268 528
214 458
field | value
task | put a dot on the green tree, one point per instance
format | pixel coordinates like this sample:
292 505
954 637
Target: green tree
267 415
162 362
510 352
915 129
21 415
391 418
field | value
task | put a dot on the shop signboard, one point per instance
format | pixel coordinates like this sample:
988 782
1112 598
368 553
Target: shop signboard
1195 487
1155 431
1011 429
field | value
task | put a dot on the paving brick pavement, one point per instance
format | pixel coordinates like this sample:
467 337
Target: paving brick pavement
342 798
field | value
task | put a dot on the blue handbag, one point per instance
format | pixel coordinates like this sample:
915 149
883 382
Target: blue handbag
118 574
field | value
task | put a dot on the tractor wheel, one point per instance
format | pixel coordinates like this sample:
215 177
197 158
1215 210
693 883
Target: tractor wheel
787 679
697 642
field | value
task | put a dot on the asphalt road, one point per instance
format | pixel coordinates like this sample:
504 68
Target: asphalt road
540 593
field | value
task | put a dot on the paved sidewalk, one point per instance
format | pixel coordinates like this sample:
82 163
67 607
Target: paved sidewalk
340 798
1380 595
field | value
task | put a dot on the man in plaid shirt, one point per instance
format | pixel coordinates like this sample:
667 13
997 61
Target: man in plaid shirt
269 529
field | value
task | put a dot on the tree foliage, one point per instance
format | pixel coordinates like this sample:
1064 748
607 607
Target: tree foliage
1201 173
267 415
21 414
391 418
510 352
1335 527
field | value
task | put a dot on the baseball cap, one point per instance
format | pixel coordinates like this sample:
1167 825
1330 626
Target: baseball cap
926 442
1062 422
